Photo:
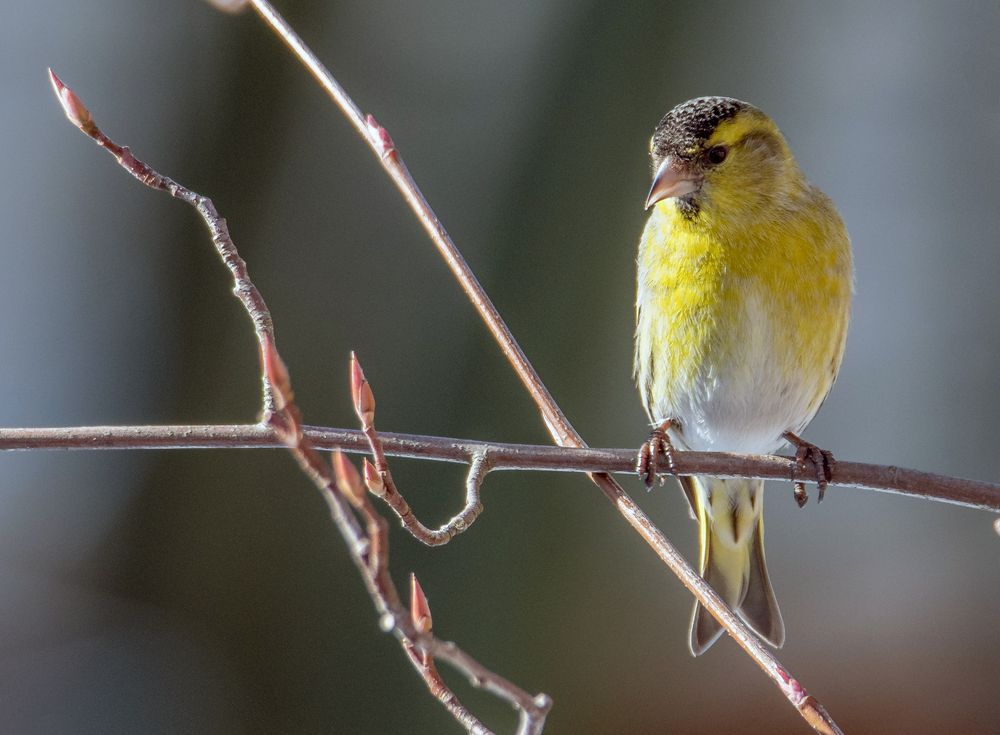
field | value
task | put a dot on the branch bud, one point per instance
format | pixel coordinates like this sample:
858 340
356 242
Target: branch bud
348 479
373 479
361 395
420 611
75 110
380 138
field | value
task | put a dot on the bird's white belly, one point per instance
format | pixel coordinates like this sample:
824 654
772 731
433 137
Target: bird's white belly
746 397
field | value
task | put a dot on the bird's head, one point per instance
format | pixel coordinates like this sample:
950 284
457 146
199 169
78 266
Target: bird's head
720 157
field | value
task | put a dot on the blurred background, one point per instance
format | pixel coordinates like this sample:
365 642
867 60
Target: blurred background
196 592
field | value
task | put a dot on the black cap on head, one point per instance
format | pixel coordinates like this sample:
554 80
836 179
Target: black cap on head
691 123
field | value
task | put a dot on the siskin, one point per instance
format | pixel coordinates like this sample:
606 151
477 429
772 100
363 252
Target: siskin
744 295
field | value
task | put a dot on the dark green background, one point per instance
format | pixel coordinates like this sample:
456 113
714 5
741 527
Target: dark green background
178 592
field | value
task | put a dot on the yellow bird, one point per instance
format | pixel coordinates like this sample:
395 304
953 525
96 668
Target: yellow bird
745 280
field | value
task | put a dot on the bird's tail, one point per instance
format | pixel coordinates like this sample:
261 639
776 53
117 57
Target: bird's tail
731 533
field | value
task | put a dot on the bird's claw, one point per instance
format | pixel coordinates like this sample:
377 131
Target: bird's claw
822 460
647 462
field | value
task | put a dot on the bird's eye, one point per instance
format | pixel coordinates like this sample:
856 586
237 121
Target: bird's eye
717 154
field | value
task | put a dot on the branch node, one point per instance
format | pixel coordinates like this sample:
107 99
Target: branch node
361 395
373 479
420 610
387 622
380 139
543 702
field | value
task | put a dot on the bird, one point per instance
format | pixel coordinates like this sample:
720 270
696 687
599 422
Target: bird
744 286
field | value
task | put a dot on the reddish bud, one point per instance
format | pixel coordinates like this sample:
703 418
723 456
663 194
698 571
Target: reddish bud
361 395
276 374
75 110
373 479
420 611
348 479
380 138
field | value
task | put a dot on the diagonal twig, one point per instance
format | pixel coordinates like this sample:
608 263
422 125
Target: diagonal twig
243 287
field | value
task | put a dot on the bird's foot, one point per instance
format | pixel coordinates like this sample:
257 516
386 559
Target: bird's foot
647 462
822 460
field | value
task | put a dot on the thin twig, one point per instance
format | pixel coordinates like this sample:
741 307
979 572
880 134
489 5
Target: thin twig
385 488
529 457
368 547
243 287
558 425
379 478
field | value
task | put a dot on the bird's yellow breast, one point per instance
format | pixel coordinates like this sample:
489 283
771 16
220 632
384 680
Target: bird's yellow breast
741 324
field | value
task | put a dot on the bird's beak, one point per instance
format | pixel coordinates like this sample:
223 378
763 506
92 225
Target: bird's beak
673 179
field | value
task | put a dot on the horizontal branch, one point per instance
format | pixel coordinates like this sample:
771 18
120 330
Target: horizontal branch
881 478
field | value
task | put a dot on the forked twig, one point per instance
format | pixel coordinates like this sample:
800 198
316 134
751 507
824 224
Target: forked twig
370 552
558 425
340 486
379 479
